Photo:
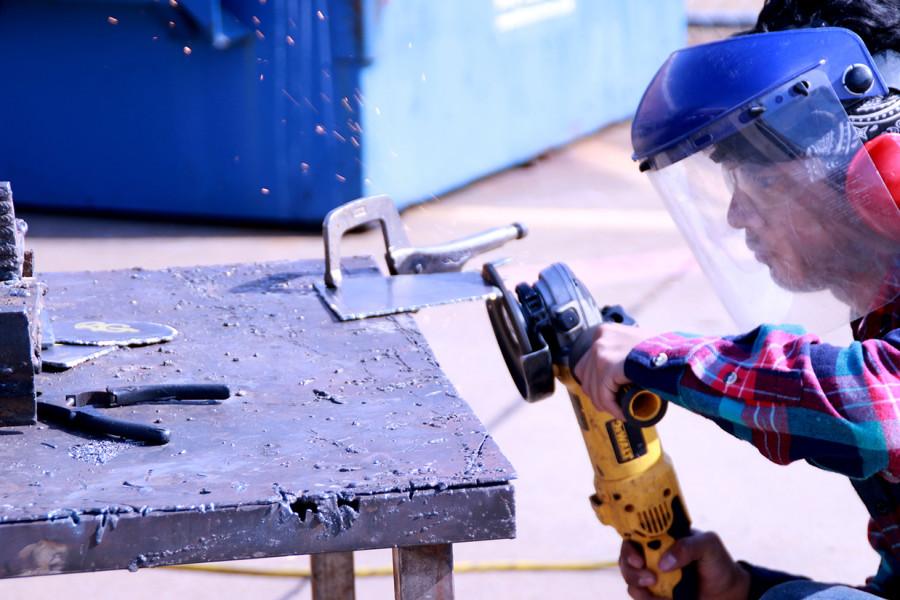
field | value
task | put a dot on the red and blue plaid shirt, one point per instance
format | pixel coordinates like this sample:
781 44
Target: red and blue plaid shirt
794 397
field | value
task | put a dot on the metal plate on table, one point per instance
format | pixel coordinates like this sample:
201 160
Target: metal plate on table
112 333
48 338
365 296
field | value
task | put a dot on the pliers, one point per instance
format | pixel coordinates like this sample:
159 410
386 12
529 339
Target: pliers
84 417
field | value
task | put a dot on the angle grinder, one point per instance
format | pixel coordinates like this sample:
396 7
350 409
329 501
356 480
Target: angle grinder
543 330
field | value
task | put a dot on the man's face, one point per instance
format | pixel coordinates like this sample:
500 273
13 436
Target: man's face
781 212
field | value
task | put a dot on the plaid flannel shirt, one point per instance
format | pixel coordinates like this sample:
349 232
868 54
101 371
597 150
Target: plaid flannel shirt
794 398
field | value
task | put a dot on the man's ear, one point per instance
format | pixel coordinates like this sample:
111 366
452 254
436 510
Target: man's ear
873 184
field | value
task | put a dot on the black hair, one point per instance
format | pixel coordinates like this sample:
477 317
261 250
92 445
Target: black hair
877 22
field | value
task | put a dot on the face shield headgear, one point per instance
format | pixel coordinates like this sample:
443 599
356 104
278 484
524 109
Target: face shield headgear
771 184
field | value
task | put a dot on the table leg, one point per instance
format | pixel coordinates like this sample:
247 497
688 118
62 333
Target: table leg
332 576
423 572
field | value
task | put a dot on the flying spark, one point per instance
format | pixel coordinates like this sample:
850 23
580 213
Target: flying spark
289 97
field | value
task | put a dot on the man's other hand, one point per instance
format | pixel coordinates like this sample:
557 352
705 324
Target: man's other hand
721 578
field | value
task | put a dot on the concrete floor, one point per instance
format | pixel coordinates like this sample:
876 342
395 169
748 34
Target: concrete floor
586 205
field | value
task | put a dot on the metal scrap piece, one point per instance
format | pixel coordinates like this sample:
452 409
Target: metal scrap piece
60 357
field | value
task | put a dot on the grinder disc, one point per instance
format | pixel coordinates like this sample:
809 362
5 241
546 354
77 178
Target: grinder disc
531 368
111 333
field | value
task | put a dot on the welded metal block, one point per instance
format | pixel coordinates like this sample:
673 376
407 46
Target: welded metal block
21 299
17 367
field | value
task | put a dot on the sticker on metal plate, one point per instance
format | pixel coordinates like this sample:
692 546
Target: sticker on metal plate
112 333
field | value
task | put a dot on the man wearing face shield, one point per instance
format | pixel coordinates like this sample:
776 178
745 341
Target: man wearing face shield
778 156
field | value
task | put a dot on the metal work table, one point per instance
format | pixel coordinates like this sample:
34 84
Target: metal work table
337 437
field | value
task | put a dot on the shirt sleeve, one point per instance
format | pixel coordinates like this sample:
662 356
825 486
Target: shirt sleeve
763 579
787 393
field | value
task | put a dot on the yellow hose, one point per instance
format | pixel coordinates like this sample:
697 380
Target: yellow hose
462 567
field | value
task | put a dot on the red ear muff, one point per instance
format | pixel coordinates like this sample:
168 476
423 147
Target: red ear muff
873 184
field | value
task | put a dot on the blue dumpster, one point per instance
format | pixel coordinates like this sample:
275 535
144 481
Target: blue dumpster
279 110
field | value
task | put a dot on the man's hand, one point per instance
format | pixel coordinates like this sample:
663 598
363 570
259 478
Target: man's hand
720 577
601 371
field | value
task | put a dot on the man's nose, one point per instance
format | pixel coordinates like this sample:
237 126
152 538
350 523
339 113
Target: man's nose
742 213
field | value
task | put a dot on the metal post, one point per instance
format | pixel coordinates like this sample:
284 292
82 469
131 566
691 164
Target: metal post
332 576
423 572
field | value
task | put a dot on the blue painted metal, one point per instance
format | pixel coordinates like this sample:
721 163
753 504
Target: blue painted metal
222 27
460 89
281 110
701 85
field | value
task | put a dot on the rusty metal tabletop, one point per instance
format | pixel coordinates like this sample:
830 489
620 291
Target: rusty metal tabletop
338 436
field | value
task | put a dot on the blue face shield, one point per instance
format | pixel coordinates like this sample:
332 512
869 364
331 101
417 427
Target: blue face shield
759 190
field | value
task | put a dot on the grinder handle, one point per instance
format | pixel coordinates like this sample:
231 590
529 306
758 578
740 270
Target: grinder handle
688 579
641 407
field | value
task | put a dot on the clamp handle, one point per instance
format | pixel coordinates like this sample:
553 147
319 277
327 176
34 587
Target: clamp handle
401 257
137 394
445 258
92 422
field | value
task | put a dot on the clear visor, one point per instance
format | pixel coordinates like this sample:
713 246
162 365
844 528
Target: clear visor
788 216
